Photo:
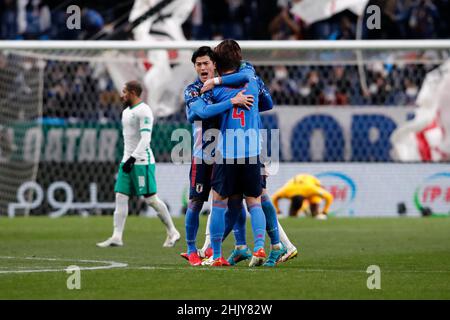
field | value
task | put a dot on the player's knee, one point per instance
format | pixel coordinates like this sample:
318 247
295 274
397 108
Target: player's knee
122 198
148 195
265 197
152 200
218 197
252 201
314 209
235 204
195 204
121 204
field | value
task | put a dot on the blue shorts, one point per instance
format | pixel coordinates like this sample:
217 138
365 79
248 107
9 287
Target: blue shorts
243 179
200 180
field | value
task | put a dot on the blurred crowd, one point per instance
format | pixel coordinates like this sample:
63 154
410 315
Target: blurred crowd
383 85
78 90
272 19
237 19
83 92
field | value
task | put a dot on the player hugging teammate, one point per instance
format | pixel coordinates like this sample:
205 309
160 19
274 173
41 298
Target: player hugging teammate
232 170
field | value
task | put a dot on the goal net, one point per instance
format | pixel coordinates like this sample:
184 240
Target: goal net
340 103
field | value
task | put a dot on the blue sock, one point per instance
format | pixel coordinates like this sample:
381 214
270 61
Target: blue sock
271 219
191 224
258 225
239 228
232 215
217 227
229 221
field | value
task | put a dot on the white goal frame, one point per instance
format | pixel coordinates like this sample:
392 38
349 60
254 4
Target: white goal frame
303 45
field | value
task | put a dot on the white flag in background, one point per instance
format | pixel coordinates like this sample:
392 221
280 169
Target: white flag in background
427 136
315 10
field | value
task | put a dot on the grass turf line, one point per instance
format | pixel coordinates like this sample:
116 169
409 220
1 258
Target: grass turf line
413 254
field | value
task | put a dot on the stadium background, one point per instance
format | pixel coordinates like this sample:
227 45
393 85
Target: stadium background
60 111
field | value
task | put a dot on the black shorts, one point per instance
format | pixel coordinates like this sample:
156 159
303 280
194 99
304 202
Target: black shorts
263 177
243 179
296 204
200 180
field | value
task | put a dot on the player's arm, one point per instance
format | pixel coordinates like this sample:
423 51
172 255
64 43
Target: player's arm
205 111
265 99
245 73
324 194
328 197
190 96
191 116
280 194
145 129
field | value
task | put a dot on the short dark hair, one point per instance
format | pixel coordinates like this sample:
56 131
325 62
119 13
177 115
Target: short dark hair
228 55
201 52
134 86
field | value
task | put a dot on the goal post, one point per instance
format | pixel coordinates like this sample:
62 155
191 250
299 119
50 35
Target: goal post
244 44
337 102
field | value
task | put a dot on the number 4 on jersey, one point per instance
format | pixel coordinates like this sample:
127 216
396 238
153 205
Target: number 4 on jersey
239 114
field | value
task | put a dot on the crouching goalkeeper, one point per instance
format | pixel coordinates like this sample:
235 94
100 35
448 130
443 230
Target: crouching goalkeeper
305 192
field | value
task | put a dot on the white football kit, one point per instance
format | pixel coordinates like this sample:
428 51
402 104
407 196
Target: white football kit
136 120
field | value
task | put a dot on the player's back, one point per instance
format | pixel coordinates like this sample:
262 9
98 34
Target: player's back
305 179
242 125
304 185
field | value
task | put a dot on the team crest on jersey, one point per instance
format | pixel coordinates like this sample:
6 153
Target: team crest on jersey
199 187
146 120
194 94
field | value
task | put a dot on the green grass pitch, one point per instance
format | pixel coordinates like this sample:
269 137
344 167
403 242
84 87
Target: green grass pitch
412 253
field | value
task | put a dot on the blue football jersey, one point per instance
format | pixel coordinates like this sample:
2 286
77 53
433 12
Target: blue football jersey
191 94
239 127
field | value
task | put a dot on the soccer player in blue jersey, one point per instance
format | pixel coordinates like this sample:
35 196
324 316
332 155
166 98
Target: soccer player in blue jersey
241 252
274 229
202 163
197 110
237 174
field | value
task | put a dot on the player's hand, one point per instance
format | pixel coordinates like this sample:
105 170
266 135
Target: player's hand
208 85
242 100
128 165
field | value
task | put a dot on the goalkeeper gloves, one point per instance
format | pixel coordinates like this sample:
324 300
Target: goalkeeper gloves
128 165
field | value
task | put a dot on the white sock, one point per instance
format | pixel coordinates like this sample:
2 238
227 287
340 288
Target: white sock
120 215
284 238
161 210
207 243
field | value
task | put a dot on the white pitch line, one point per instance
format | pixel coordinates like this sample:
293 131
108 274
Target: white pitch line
205 268
113 264
110 265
